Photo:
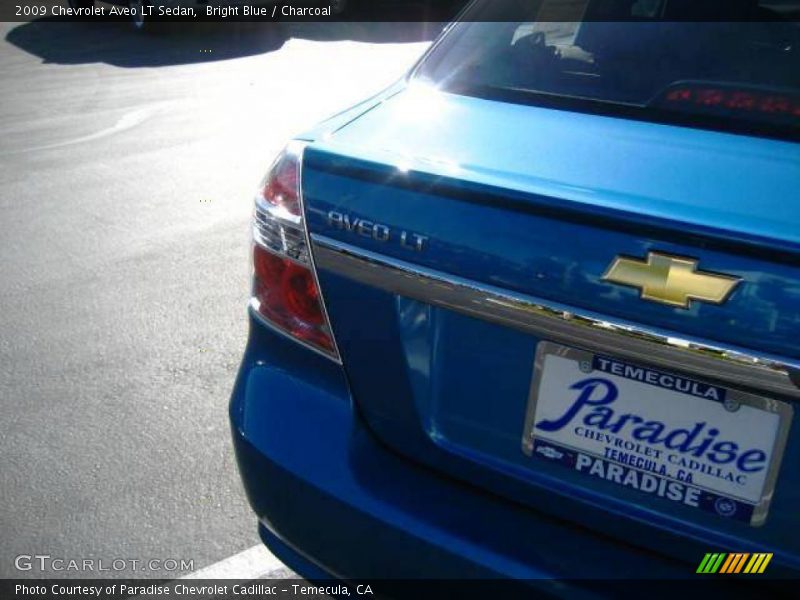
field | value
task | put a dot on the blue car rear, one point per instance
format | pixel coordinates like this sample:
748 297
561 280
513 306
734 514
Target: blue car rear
536 326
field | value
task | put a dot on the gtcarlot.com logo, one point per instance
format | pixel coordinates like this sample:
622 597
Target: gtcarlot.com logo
45 562
734 563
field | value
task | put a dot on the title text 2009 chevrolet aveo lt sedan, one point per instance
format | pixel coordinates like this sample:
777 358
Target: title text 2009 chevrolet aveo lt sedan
533 312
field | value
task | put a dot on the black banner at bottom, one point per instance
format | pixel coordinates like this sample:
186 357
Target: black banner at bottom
299 589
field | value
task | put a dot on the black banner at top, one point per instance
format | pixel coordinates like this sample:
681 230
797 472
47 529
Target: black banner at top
187 11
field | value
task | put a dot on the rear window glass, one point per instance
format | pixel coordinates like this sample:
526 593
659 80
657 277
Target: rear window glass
728 63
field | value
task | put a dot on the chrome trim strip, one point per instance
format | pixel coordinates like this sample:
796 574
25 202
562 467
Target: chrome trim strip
560 323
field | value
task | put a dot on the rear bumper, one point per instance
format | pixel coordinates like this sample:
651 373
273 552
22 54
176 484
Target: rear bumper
331 496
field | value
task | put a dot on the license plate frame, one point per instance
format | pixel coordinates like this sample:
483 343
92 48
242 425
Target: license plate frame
535 443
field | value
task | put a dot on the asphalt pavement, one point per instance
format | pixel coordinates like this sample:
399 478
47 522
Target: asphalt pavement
127 166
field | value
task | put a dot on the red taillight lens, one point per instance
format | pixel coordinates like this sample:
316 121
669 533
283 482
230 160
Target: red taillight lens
285 290
286 294
301 294
281 187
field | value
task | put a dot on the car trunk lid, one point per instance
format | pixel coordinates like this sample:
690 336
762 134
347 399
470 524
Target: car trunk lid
470 229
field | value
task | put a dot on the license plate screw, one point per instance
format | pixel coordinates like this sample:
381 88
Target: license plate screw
585 366
731 405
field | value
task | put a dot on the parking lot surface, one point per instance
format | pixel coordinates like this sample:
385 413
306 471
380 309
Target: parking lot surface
127 166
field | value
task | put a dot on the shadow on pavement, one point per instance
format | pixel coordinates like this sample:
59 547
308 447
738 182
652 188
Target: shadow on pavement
116 43
67 42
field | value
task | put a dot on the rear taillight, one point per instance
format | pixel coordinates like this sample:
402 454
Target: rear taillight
285 287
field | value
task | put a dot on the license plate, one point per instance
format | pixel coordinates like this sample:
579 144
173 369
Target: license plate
690 442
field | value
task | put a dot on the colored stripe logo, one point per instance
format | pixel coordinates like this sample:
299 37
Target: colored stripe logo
734 562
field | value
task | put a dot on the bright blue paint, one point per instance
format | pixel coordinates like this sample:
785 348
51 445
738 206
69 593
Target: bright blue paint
741 184
451 391
320 481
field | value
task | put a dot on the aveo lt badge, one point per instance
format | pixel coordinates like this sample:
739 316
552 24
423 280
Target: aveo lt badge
377 231
671 280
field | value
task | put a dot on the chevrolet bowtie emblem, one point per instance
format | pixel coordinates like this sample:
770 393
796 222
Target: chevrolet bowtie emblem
671 280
